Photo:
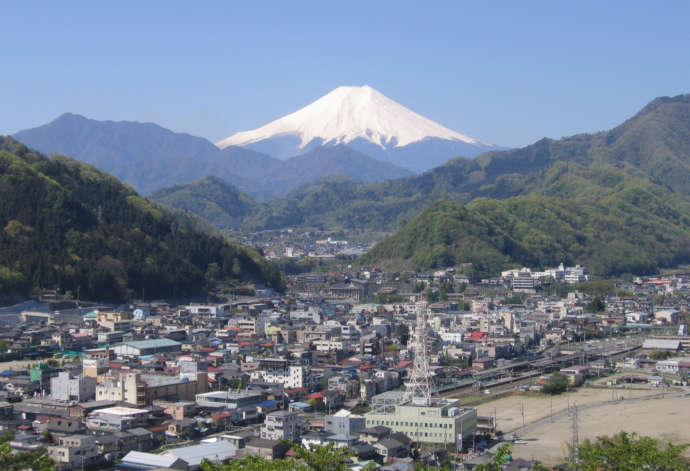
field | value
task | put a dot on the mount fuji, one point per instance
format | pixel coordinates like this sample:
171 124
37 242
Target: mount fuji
366 120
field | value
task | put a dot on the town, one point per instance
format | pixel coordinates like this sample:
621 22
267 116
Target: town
397 367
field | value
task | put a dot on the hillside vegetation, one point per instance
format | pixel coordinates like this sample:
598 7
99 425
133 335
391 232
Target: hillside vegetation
653 145
64 223
598 216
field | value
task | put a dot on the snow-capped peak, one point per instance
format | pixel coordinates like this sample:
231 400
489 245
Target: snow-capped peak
349 113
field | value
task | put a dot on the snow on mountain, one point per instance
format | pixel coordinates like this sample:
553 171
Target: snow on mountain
349 114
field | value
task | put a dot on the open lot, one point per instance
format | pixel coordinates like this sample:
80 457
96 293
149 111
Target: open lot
664 418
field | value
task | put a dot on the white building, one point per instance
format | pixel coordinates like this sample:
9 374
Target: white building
65 387
209 310
451 336
289 376
281 425
331 345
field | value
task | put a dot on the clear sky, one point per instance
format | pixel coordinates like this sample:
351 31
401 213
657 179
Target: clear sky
507 73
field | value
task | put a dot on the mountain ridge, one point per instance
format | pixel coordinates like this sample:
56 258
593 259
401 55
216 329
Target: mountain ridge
654 143
150 157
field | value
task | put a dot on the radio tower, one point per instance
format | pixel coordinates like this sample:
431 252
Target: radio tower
418 390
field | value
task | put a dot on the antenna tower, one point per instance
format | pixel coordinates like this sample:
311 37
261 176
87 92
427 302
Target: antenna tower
418 390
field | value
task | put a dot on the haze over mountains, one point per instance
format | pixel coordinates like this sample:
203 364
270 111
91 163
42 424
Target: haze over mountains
616 200
353 131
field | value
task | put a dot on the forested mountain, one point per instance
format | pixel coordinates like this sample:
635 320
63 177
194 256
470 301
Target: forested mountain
64 223
213 199
598 215
654 144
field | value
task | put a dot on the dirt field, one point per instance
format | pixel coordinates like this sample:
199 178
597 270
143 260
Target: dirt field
17 364
509 409
661 418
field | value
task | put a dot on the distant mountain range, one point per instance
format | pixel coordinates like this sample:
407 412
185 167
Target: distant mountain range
616 200
149 157
366 120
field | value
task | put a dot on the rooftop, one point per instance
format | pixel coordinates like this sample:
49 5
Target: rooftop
122 411
152 343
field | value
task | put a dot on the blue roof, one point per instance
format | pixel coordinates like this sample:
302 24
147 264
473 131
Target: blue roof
301 405
267 403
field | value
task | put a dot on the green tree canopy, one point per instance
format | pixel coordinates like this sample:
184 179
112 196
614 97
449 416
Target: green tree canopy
558 383
630 452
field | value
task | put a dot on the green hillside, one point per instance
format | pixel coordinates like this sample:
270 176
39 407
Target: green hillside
64 223
599 216
211 198
654 144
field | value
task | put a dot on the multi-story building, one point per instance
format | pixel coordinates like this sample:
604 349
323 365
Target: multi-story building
281 425
441 422
278 371
67 387
140 390
75 451
343 423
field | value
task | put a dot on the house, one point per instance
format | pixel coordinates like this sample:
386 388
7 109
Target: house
180 428
268 449
117 419
389 448
373 434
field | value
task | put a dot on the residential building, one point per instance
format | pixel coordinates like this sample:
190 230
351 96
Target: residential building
281 425
114 419
75 451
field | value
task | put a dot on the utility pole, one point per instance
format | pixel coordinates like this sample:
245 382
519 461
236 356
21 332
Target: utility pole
575 443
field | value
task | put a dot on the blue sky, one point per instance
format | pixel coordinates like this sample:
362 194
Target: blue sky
507 73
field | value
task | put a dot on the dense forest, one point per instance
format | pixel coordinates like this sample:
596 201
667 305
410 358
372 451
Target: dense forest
600 216
65 224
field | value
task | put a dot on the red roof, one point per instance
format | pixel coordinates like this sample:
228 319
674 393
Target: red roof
403 364
477 336
316 396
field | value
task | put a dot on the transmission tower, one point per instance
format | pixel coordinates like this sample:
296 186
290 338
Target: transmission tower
418 390
575 445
